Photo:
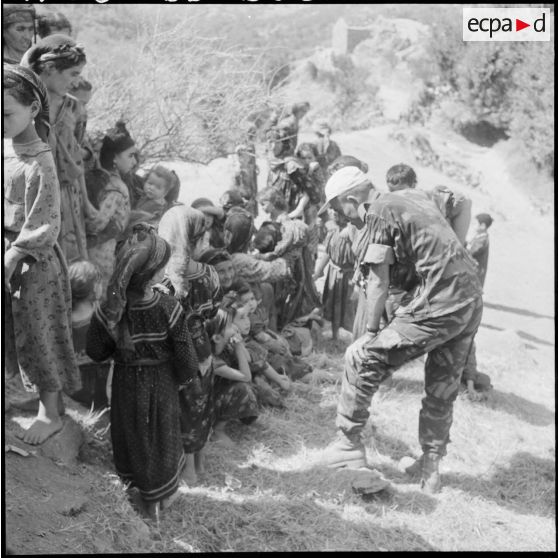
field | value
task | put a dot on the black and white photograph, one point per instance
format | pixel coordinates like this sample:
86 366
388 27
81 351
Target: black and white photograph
278 277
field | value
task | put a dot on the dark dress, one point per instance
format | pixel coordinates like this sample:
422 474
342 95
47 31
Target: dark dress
93 374
145 425
338 305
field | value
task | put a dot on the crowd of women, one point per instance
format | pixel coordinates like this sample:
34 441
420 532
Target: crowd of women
181 318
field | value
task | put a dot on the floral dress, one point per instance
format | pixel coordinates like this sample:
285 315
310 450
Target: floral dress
111 221
38 330
65 140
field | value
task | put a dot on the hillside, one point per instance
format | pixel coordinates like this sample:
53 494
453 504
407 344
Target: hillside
269 493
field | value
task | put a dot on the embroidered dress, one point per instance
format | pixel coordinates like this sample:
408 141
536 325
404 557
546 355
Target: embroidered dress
108 225
38 331
65 137
145 424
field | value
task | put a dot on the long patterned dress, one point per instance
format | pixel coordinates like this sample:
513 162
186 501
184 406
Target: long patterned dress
110 222
338 305
38 329
66 149
145 414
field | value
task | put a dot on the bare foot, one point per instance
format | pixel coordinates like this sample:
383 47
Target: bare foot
41 429
219 437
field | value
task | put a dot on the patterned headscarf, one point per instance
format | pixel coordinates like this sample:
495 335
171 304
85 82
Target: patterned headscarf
55 47
181 227
138 258
240 224
29 79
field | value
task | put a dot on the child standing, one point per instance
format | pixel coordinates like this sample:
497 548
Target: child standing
338 303
37 299
160 190
147 335
85 280
478 247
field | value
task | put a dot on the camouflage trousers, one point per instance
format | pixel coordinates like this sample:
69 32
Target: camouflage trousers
446 340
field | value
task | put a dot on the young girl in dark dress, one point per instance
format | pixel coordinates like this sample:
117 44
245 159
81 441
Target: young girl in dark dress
147 335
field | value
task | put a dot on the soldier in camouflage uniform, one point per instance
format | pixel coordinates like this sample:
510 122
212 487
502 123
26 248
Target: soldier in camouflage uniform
456 208
439 317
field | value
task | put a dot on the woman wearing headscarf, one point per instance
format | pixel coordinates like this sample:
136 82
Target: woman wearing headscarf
146 334
195 284
239 227
59 61
117 157
37 298
18 31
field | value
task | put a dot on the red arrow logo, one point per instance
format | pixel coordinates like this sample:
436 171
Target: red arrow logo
519 25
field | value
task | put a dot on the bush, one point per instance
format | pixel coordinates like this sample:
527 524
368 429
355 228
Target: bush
532 104
184 96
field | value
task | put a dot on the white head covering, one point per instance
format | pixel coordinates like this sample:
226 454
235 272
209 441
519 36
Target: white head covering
342 181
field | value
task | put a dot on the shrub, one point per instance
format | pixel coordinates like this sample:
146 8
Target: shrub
184 96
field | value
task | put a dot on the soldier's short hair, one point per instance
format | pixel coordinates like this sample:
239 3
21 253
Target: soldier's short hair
400 176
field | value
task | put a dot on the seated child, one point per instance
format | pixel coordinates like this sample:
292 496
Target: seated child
233 395
147 334
279 354
263 374
160 190
86 285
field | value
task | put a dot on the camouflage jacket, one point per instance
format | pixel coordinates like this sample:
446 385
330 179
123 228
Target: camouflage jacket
407 230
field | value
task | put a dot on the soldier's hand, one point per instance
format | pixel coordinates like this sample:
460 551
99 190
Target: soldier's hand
357 352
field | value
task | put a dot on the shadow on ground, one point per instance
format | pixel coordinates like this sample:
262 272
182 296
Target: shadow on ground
527 411
520 311
525 485
297 524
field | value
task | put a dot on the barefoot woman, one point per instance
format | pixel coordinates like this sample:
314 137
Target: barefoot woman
37 290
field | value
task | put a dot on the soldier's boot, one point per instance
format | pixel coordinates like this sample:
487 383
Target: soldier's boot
430 475
415 469
345 452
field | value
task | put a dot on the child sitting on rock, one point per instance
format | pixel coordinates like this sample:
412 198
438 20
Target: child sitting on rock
86 284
